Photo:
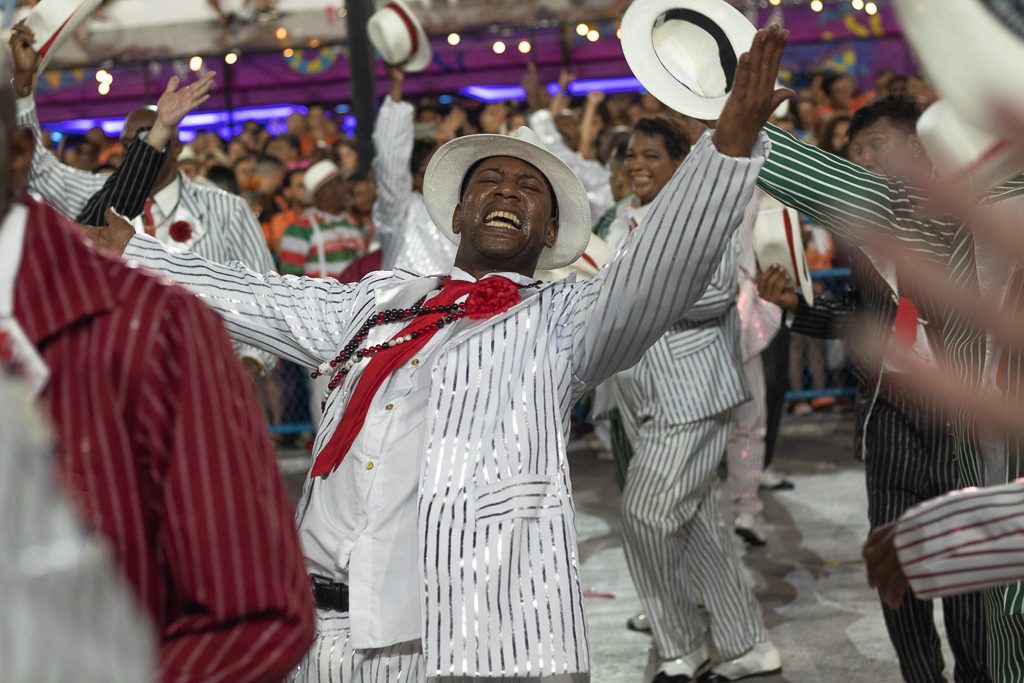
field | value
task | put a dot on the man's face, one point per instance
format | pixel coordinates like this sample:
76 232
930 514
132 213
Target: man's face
568 124
334 196
889 150
296 190
505 216
244 172
144 120
364 194
842 91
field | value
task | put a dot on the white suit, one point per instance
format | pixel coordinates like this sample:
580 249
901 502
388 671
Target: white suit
498 560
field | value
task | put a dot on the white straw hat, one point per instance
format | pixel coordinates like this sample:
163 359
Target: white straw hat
318 174
449 165
685 52
53 22
399 37
778 241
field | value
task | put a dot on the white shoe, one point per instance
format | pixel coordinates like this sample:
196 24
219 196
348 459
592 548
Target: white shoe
751 528
679 670
639 622
761 660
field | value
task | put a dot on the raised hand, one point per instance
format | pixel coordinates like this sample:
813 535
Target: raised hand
883 563
175 104
753 97
112 239
537 97
26 59
561 100
774 286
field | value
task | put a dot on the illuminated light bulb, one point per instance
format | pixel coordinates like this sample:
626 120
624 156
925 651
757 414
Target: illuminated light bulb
857 4
196 63
103 88
582 29
593 35
281 33
775 2
454 39
871 8
618 33
231 58
817 5
289 53
314 43
524 46
103 76
498 47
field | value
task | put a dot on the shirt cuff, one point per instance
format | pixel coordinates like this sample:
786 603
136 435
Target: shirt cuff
25 106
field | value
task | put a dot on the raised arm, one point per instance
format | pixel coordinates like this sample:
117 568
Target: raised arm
301 319
127 188
666 264
66 188
392 161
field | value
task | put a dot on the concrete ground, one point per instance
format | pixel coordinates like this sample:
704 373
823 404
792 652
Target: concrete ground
809 578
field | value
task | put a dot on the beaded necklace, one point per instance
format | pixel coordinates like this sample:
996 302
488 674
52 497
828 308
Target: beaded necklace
351 354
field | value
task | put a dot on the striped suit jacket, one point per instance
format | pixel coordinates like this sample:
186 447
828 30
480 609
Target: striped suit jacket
849 200
408 238
500 568
227 229
695 370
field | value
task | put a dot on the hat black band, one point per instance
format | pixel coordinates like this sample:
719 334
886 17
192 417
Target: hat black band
1009 12
726 53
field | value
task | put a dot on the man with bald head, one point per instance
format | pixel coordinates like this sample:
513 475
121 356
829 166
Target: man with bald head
182 214
160 443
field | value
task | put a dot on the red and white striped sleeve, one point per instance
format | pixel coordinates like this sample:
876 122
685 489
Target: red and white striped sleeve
243 609
964 541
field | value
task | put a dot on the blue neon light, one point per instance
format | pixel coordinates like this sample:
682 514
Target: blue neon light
505 93
191 123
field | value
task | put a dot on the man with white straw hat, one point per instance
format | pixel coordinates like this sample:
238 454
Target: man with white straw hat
437 520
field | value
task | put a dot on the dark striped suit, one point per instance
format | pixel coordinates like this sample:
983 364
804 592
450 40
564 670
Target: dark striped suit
850 200
906 444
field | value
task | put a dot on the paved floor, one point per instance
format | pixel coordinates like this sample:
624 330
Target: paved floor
809 577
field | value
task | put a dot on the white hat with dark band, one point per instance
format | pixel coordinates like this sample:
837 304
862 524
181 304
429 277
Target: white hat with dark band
53 22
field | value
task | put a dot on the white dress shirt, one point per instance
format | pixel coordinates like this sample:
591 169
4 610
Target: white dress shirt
360 526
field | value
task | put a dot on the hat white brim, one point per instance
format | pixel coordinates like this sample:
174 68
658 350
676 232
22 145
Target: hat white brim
777 228
35 22
449 166
638 47
975 74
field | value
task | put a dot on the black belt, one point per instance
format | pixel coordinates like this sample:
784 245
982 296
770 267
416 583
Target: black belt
329 595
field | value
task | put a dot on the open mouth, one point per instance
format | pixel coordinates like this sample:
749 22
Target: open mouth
502 219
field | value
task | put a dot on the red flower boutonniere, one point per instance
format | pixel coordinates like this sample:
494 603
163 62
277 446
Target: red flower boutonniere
180 231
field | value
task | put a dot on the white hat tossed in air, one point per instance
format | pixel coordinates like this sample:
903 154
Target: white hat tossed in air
318 174
685 52
778 241
972 50
53 22
398 36
963 152
449 165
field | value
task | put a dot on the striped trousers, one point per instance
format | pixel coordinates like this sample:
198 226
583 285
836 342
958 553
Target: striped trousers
679 551
333 660
909 459
745 451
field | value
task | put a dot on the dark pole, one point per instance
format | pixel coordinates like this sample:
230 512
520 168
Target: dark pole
364 82
228 100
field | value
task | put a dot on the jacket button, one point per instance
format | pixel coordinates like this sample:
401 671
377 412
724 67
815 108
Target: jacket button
415 362
369 465
390 406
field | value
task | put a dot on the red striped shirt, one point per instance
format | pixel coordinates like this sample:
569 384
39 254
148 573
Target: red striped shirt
164 450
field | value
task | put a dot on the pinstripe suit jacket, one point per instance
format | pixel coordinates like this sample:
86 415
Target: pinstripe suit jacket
850 200
500 573
227 230
694 370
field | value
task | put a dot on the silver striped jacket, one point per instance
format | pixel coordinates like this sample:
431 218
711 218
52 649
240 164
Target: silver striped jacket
500 566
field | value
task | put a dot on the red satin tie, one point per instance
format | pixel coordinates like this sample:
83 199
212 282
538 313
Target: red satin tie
384 363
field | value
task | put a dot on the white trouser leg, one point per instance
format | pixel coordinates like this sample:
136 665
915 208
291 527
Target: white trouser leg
745 452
